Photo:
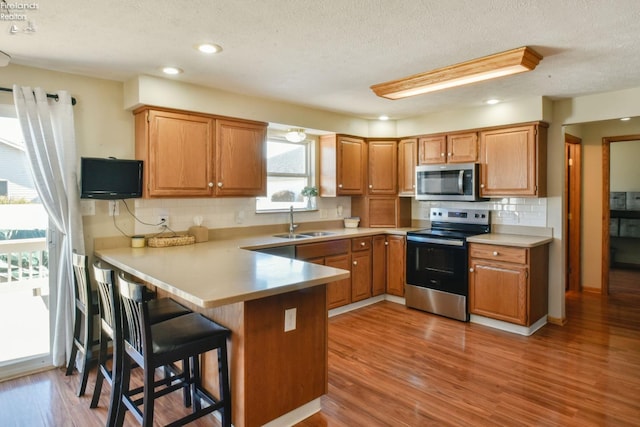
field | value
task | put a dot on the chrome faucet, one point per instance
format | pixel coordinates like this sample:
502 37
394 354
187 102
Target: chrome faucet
292 226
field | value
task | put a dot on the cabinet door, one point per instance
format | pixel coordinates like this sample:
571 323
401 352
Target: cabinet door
338 293
241 168
178 153
499 291
407 161
378 265
396 270
360 275
352 164
508 162
432 149
383 167
462 148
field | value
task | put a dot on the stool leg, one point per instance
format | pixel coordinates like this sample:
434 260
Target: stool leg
86 346
225 390
115 397
125 380
74 348
195 382
148 398
102 361
187 392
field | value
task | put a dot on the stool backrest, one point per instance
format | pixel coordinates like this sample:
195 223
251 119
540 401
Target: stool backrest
109 299
81 282
136 314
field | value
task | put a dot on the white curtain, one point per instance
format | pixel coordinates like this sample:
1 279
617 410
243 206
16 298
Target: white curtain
48 129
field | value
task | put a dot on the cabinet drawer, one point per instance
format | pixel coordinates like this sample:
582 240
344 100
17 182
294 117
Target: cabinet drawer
360 244
499 253
322 249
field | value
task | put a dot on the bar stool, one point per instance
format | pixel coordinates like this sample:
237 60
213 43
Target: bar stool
111 321
151 346
86 306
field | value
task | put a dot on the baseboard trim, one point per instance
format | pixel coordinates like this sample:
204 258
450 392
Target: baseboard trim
560 321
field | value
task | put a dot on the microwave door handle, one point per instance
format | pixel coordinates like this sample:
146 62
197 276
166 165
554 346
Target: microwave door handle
461 182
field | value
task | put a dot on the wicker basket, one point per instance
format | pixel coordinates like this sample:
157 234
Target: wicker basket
163 242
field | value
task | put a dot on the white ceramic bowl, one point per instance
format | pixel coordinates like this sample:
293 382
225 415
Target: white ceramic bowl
351 222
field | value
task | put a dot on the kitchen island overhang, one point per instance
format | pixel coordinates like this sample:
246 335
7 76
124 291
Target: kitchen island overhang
273 371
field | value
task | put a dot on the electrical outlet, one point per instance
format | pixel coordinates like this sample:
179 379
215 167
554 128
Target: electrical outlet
163 221
290 319
114 208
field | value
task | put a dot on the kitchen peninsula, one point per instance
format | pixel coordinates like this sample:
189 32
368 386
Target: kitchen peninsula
275 367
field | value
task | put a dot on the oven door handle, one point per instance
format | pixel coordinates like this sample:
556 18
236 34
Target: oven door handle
447 242
461 182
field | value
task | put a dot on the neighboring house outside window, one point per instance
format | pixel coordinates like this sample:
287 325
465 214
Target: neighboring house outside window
289 170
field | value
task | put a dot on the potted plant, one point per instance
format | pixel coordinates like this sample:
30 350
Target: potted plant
309 193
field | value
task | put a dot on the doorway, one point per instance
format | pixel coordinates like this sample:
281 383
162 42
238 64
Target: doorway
24 277
621 214
573 214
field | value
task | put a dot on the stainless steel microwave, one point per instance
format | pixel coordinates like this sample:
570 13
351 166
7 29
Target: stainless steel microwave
454 181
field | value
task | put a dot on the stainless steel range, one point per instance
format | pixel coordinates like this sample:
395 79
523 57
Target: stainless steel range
437 261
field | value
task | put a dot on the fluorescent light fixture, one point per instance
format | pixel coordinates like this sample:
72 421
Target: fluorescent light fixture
489 67
383 117
492 101
171 70
625 119
295 135
209 48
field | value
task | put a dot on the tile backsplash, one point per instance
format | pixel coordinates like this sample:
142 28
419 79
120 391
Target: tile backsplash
227 212
504 211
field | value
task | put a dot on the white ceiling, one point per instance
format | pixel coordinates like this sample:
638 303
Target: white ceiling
326 53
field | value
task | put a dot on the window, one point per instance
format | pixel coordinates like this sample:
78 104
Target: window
289 170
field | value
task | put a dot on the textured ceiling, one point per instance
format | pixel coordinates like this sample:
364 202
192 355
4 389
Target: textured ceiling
326 53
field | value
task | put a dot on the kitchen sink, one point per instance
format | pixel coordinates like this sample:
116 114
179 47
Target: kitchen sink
292 236
318 233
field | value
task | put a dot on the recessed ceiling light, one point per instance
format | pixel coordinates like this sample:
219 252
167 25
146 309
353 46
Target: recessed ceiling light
492 101
171 70
625 119
383 117
209 48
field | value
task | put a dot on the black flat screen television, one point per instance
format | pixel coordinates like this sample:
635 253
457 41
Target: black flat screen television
110 179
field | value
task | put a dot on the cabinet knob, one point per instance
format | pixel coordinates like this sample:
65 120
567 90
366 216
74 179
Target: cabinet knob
471 270
211 185
449 154
220 185
339 185
495 253
441 154
481 185
355 262
386 243
413 186
370 185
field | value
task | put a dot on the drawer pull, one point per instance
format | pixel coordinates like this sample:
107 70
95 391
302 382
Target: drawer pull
495 253
355 262
362 243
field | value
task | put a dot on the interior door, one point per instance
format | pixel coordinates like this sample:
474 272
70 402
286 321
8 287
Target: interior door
573 215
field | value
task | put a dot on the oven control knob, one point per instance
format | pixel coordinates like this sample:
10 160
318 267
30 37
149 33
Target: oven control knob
495 253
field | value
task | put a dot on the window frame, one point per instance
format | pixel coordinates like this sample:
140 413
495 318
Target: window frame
309 145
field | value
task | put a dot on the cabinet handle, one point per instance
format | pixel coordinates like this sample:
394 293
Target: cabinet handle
370 185
386 243
355 262
339 185
481 185
495 253
220 185
471 270
413 186
441 154
362 243
211 185
449 154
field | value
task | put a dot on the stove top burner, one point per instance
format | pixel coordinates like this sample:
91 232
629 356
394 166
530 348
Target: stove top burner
449 234
455 224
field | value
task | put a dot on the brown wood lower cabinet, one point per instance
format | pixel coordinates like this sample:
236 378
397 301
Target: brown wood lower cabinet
508 283
378 265
396 269
360 268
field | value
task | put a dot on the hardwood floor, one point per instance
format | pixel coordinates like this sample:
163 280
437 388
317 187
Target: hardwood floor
624 281
393 366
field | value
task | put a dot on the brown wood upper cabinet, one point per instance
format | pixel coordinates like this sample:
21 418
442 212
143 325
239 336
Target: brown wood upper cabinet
382 167
513 161
343 165
407 161
189 154
450 148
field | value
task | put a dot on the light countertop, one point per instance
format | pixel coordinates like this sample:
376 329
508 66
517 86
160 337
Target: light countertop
518 240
